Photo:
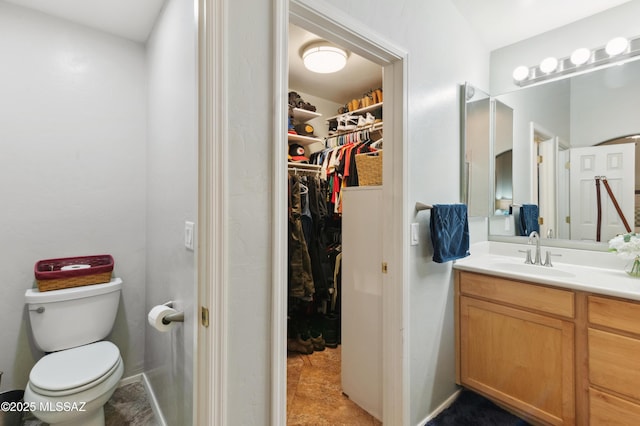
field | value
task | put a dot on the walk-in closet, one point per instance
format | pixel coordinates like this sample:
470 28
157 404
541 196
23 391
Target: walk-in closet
334 312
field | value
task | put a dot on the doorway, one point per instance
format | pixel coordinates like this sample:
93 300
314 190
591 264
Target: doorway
355 38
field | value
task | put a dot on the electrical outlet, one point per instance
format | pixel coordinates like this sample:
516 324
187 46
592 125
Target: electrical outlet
189 235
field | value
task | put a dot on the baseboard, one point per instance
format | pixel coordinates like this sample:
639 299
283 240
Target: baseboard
136 378
153 401
440 408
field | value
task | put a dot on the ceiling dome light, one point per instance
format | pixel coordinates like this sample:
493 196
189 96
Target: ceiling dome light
616 46
548 65
324 58
520 73
580 56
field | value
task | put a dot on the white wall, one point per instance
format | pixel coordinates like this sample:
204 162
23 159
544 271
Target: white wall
435 69
72 169
605 105
172 197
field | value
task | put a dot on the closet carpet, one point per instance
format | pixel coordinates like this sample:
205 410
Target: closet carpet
471 409
314 392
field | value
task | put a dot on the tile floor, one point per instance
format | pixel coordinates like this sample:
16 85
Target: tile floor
314 397
314 394
128 406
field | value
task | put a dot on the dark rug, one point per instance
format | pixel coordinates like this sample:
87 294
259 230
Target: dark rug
474 410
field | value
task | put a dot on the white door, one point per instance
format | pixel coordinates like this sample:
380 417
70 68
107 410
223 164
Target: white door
547 187
564 231
362 297
617 163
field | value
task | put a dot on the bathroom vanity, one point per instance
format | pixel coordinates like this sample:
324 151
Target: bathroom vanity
555 345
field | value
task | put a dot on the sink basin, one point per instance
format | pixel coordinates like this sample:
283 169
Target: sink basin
539 270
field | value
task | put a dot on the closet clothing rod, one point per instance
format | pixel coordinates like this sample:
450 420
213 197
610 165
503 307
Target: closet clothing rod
304 168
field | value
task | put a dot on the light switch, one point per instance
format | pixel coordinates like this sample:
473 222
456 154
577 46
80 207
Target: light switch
189 235
415 231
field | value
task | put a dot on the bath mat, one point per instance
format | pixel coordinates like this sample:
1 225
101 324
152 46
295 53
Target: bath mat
471 409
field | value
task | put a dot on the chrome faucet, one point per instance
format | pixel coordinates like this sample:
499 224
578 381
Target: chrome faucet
537 260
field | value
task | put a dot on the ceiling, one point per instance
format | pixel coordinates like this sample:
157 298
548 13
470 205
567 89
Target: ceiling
358 77
131 19
497 22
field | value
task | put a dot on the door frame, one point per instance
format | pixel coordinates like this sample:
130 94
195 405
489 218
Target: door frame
210 363
335 26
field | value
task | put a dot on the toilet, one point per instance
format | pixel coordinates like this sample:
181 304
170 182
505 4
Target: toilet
80 372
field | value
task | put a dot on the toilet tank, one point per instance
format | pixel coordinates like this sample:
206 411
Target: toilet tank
63 319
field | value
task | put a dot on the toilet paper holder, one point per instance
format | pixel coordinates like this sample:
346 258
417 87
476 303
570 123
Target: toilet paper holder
177 317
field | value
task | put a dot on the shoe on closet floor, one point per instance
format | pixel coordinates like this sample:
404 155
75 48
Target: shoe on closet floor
317 341
330 330
299 345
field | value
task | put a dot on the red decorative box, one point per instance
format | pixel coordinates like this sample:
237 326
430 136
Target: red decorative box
56 274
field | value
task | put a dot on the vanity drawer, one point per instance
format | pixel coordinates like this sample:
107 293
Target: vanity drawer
518 293
614 363
606 410
618 314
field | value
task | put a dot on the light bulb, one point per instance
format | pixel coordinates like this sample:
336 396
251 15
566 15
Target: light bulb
616 46
548 65
580 56
520 73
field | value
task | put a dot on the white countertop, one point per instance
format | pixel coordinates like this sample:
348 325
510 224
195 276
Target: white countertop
590 271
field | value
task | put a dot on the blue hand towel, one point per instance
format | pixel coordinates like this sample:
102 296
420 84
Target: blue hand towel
449 232
529 218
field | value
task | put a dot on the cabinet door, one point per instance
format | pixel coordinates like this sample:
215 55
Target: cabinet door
609 410
614 363
522 359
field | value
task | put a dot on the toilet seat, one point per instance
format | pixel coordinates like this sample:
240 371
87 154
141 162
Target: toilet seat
74 370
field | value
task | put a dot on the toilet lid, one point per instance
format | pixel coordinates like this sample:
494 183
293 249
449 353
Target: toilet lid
74 367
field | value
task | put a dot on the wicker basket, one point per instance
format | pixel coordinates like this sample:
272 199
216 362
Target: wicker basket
56 274
369 167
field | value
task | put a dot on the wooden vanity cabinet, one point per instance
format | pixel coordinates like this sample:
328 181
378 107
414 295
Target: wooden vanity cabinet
516 344
614 361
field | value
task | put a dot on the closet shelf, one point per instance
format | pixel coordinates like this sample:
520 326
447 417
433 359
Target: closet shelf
303 115
303 140
358 111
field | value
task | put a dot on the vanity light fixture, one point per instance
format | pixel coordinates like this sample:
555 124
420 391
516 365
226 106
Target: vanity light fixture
617 50
323 57
520 73
616 46
548 65
580 56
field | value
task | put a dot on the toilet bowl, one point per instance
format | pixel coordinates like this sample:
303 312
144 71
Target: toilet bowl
70 385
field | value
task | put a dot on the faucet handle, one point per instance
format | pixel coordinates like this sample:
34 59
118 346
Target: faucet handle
547 258
528 260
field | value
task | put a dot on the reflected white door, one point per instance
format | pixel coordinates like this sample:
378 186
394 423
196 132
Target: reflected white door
547 187
617 163
564 231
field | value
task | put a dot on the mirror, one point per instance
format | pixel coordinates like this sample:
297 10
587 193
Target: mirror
475 139
566 133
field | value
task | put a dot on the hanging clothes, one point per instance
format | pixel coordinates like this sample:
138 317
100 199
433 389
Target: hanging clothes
300 274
